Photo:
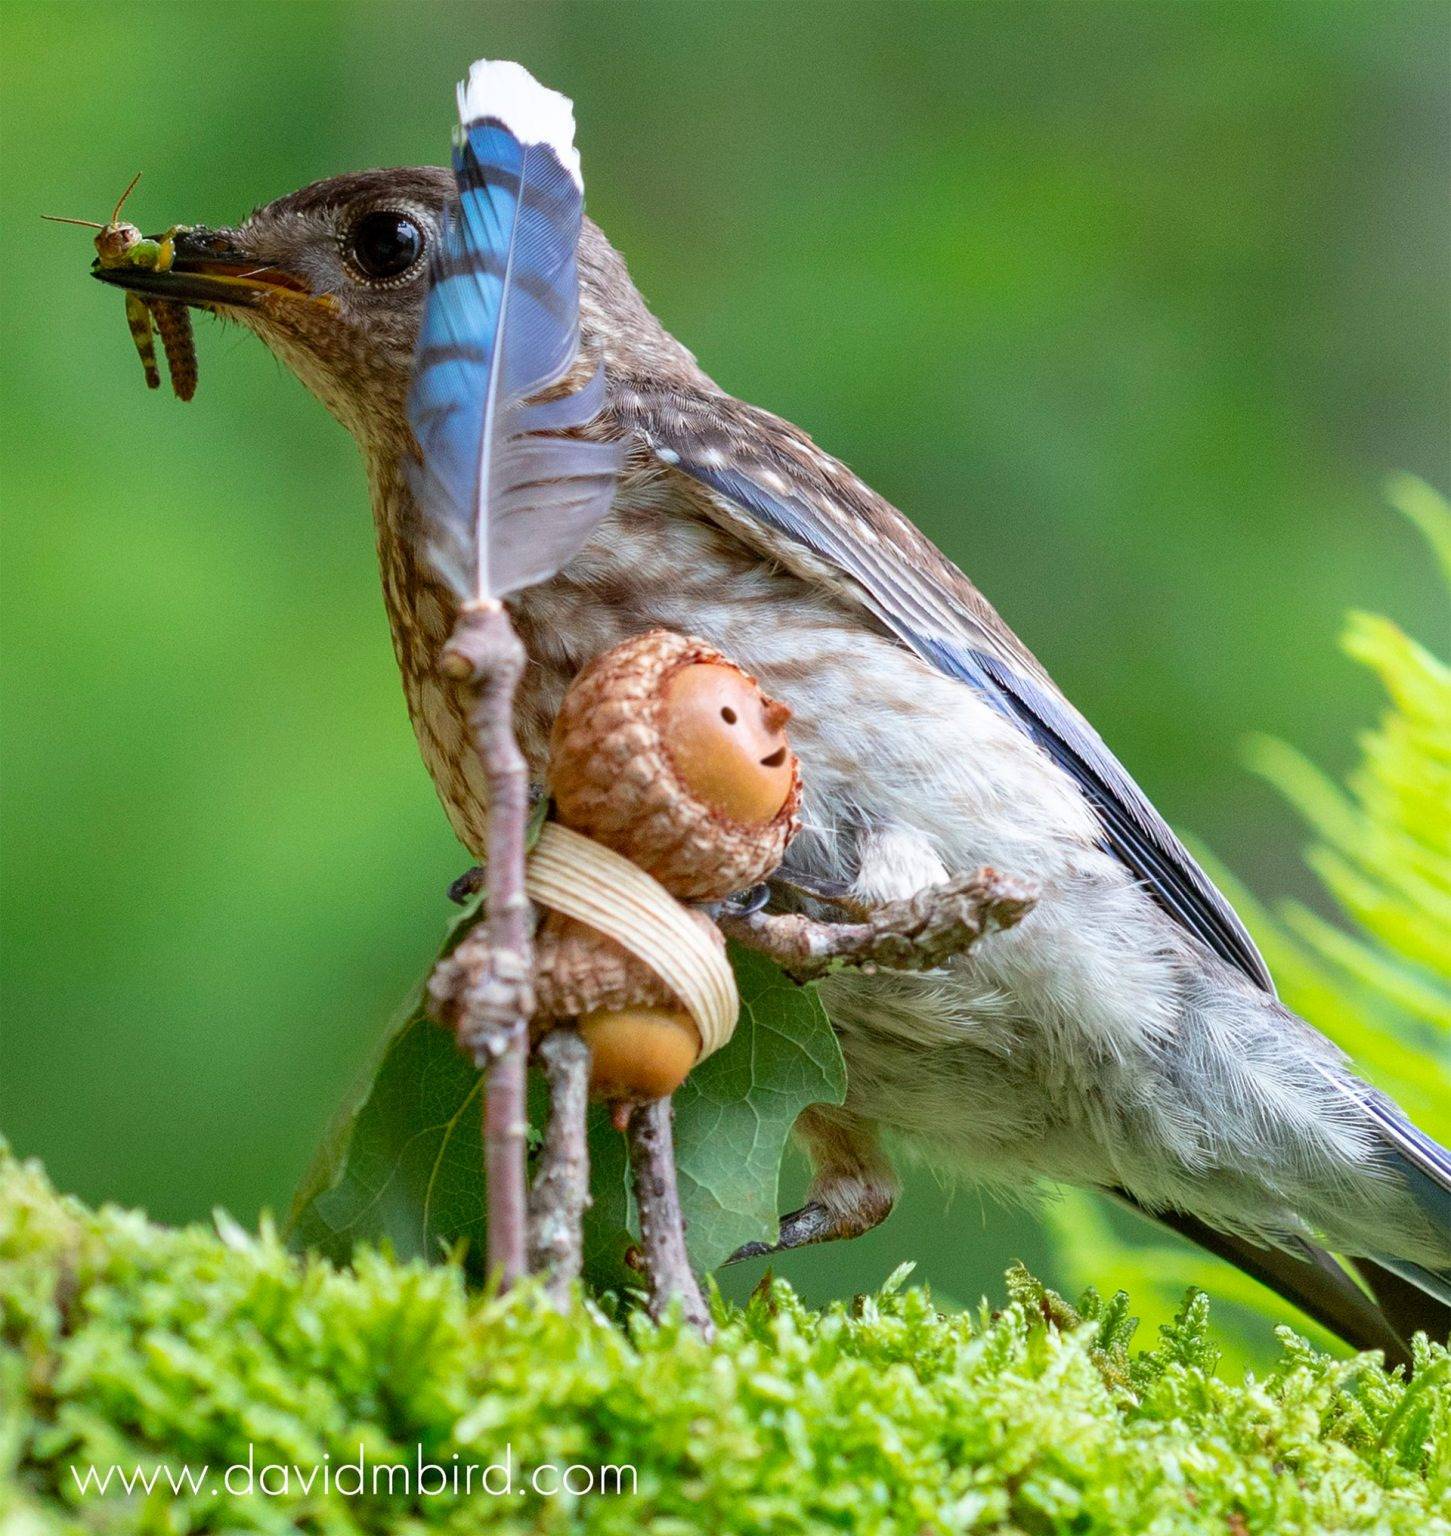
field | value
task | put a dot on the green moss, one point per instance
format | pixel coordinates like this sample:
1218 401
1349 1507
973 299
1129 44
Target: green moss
129 1344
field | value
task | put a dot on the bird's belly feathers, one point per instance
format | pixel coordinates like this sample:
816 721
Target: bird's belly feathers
909 777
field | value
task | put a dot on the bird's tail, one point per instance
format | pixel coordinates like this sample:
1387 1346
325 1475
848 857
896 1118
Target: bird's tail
1395 1297
1414 1299
1401 1300
1416 1295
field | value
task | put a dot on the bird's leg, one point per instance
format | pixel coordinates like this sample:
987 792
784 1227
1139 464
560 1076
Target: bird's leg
560 1193
917 934
853 1187
662 1228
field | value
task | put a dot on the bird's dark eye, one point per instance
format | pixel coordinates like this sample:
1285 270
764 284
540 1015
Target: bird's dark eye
383 244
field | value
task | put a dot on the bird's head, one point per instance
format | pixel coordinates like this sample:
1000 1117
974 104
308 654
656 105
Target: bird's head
333 278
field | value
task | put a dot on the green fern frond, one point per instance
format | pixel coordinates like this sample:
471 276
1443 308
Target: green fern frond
1378 980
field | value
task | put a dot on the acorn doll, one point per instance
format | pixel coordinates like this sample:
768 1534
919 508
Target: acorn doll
667 754
673 782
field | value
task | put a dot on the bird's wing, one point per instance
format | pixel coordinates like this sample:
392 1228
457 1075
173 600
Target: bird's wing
768 475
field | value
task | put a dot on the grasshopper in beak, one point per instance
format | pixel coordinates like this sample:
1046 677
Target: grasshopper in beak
123 245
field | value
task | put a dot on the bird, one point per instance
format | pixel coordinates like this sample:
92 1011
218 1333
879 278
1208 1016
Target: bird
1125 1036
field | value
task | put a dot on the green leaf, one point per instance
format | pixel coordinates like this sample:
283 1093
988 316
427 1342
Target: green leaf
403 1161
403 1158
733 1115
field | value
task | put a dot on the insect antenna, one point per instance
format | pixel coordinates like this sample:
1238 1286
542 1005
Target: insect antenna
56 218
121 201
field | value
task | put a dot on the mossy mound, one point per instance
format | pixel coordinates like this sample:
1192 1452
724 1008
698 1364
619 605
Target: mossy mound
125 1345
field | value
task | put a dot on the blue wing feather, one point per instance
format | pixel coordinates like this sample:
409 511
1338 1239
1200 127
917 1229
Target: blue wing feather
508 495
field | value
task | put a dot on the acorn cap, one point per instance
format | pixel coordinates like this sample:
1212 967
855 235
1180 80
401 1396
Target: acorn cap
668 753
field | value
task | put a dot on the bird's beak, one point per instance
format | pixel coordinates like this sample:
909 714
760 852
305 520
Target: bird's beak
207 267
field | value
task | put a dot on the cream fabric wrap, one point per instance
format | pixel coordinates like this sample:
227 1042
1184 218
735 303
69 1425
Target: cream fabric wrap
585 880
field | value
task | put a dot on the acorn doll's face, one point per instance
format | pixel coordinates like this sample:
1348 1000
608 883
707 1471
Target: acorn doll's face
727 741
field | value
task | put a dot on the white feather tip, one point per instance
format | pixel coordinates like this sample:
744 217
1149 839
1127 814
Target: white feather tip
507 92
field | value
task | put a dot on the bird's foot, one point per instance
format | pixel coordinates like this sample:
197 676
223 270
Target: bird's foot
815 1222
852 1189
467 886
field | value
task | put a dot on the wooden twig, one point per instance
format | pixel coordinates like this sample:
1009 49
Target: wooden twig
560 1194
918 934
662 1229
487 984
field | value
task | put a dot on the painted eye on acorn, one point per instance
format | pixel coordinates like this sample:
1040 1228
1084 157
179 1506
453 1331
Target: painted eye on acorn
384 244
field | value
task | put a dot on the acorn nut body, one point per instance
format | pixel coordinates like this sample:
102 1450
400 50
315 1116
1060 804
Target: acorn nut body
639 1053
668 753
642 1042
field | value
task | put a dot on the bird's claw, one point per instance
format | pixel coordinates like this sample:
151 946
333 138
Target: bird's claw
832 893
813 1223
468 885
744 903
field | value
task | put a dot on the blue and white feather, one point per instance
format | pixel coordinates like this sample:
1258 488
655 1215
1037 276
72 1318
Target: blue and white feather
508 493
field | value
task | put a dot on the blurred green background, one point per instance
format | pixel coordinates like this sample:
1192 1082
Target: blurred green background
1130 306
